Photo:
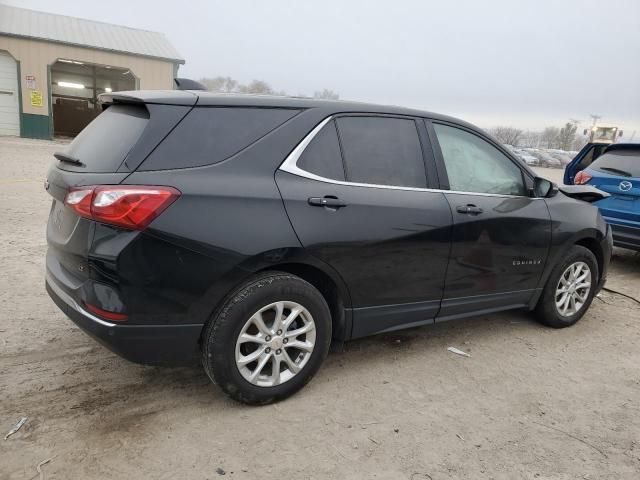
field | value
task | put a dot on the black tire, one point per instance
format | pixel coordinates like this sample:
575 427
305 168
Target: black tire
222 331
546 310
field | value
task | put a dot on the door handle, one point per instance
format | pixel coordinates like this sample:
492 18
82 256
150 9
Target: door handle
469 209
326 201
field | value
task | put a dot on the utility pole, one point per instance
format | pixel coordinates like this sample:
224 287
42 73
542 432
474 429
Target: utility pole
595 119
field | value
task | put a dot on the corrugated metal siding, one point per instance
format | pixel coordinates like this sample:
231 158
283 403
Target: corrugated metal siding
77 31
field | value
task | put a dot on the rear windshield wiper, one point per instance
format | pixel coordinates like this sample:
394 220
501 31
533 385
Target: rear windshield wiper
616 170
63 157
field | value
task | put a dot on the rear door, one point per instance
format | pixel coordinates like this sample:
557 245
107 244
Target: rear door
501 235
372 217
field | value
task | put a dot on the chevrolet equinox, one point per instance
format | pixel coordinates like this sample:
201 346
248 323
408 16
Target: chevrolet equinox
252 232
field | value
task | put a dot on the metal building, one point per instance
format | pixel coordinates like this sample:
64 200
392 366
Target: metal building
52 67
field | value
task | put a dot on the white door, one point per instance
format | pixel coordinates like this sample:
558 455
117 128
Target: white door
9 116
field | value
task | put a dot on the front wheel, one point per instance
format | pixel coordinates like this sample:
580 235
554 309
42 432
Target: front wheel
268 339
569 290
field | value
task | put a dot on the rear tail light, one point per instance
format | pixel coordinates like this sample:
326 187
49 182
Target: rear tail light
582 177
127 206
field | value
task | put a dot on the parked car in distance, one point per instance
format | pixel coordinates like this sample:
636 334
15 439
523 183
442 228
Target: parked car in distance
251 232
529 159
563 157
547 160
617 171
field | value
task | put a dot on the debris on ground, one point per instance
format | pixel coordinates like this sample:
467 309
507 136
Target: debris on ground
39 467
17 427
459 436
220 471
458 352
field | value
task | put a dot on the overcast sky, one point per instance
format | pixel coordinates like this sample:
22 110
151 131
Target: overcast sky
523 63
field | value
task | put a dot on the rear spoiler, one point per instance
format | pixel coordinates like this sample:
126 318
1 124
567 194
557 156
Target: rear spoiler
160 97
586 193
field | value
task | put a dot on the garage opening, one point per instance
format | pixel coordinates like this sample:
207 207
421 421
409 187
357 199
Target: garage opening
75 87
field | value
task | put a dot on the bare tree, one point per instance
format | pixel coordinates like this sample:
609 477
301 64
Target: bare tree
549 137
579 142
326 94
229 85
567 135
531 139
257 86
220 84
508 135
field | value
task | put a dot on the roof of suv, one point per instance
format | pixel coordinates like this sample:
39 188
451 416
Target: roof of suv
202 98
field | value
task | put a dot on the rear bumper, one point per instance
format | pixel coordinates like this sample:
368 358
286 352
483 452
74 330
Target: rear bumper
626 237
145 344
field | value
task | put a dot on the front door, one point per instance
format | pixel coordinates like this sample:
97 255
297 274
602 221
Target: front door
501 235
371 217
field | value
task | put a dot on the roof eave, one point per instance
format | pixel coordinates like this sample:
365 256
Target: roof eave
179 61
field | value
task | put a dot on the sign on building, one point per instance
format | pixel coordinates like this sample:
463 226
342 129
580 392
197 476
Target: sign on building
36 98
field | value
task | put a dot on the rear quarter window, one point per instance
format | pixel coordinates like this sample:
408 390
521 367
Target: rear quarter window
322 156
619 162
104 144
209 135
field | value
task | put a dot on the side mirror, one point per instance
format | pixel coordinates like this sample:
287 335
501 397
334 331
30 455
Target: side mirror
584 132
543 188
620 133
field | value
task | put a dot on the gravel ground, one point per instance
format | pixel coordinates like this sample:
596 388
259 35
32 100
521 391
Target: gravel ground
531 402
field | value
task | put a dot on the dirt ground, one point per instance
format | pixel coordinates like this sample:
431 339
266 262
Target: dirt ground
530 403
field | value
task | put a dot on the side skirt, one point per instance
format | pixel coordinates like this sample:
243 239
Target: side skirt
387 318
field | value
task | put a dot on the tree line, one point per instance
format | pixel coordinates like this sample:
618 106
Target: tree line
230 85
562 138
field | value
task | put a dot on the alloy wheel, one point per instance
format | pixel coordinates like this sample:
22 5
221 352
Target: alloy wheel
573 289
275 343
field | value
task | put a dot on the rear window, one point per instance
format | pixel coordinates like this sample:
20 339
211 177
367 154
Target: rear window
619 162
104 144
210 135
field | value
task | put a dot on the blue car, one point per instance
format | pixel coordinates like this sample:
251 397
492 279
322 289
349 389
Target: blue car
616 171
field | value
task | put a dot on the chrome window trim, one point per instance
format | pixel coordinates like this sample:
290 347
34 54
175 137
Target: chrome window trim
290 165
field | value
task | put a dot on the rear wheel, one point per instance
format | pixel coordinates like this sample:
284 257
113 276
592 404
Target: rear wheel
268 339
569 290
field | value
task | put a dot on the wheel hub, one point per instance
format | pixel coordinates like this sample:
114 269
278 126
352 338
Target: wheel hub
276 343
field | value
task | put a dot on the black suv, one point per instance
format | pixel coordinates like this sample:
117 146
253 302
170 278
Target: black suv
253 231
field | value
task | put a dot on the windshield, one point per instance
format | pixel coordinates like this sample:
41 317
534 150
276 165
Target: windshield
616 162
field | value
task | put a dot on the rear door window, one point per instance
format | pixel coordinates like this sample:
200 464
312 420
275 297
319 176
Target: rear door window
382 151
104 144
209 135
619 162
322 156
